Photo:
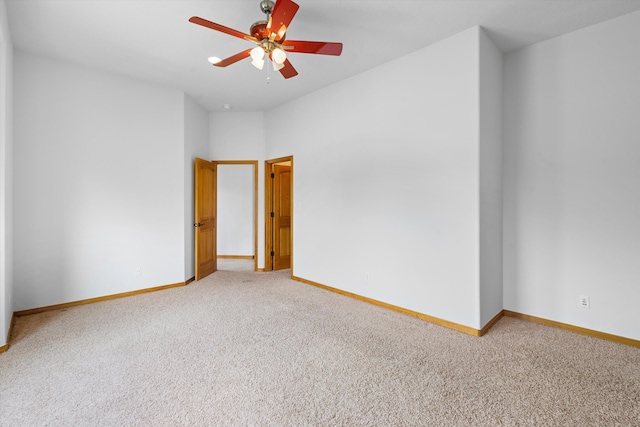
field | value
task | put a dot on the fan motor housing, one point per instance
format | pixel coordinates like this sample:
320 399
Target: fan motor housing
259 30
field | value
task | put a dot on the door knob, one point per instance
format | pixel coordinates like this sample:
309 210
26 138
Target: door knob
198 224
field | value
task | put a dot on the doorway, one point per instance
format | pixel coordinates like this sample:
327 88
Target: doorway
279 213
237 192
206 215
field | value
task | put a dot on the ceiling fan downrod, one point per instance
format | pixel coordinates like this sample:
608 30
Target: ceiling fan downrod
266 6
258 28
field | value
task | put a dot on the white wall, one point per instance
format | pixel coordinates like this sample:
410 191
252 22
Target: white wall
241 136
386 185
196 144
490 87
395 187
572 178
99 183
235 210
6 176
236 136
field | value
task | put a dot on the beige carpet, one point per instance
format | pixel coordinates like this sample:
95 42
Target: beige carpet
225 264
254 349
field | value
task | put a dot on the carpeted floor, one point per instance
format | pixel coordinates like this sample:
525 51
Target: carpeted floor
225 264
250 349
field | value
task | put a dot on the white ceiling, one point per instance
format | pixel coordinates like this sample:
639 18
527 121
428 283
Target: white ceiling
153 40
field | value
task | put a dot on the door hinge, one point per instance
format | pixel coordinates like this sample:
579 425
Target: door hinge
273 214
273 175
273 253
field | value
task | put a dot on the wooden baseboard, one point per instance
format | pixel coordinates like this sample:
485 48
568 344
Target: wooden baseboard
491 322
6 346
426 317
235 256
572 328
487 327
94 300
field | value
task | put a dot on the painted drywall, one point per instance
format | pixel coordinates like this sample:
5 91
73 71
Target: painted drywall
490 122
196 144
235 210
99 183
6 176
241 136
572 178
386 181
236 136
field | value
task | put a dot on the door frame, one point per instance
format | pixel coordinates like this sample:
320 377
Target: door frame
255 201
268 208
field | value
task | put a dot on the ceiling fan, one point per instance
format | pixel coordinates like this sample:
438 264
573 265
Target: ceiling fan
269 36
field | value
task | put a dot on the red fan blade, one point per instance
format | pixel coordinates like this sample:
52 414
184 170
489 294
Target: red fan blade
281 17
233 59
221 28
322 48
288 71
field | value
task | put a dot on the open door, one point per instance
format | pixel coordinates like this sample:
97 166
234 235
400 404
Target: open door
205 220
282 217
278 204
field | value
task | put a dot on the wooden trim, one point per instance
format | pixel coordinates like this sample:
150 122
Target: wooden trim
235 257
268 226
488 326
255 216
491 322
430 319
280 159
291 248
84 302
572 328
9 332
255 201
236 162
5 347
11 325
94 300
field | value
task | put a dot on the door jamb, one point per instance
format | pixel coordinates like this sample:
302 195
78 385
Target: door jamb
268 208
255 201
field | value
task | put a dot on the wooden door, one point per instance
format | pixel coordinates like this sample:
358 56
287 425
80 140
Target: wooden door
205 218
281 217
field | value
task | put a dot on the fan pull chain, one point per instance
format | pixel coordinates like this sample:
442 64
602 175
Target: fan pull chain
268 74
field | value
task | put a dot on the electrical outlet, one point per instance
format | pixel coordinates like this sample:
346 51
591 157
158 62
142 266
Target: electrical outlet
584 301
138 271
366 277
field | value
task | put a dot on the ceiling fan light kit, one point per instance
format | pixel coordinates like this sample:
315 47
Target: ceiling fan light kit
279 56
269 36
